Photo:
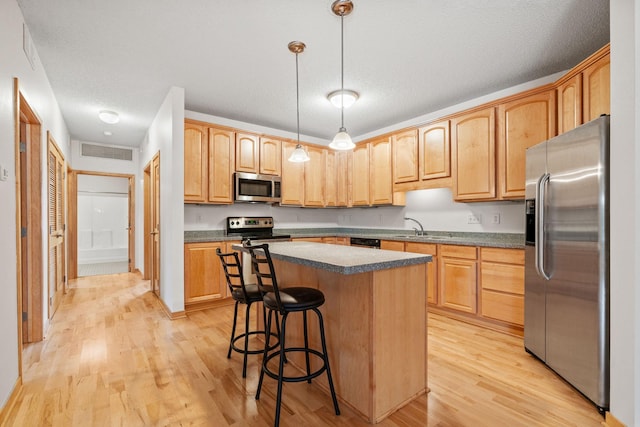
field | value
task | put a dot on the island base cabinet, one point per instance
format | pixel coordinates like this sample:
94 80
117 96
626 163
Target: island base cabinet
376 331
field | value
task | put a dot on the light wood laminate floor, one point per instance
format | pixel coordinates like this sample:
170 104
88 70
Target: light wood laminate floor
112 358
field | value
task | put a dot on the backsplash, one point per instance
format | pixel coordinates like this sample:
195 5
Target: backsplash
434 208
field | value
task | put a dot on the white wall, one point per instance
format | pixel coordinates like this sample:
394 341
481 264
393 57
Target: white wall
434 208
625 213
37 91
166 135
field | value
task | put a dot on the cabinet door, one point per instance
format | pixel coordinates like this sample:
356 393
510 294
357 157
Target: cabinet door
292 184
474 160
221 143
434 148
342 172
522 123
405 156
380 176
314 172
270 156
331 179
457 275
195 162
247 153
570 104
432 267
596 83
203 276
360 175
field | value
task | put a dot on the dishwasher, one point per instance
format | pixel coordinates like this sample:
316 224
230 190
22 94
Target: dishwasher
365 242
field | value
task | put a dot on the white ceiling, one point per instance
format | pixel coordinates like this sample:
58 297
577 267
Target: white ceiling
406 58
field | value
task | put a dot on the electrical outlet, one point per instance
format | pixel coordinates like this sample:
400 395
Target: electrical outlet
495 218
475 219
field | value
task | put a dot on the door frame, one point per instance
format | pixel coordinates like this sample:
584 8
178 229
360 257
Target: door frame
72 241
29 253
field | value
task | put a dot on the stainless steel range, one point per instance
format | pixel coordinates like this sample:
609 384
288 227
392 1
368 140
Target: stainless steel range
257 229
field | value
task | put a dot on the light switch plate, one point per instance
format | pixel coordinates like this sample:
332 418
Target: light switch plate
4 173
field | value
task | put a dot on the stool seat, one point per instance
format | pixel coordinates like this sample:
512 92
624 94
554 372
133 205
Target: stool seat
294 299
251 294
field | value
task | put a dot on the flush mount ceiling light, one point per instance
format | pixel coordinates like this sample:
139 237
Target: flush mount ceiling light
299 154
110 117
337 97
342 140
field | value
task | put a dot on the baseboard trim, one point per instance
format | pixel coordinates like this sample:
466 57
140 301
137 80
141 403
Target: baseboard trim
611 421
13 397
173 315
204 305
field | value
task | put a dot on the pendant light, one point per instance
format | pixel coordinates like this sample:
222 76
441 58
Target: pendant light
342 140
299 154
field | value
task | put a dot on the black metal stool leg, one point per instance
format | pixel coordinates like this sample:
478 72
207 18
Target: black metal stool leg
246 340
306 344
233 330
326 361
281 369
264 355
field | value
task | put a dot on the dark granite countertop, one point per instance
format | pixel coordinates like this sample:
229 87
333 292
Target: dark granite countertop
342 259
496 240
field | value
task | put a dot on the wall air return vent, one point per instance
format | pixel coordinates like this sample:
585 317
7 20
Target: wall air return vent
105 152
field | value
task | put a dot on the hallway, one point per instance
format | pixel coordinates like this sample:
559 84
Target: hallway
111 357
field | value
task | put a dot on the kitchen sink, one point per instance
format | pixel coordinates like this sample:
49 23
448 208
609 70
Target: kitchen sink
426 237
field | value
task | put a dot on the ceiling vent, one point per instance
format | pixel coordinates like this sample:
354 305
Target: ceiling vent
102 151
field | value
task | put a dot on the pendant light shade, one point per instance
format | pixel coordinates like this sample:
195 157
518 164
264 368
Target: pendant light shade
299 154
342 140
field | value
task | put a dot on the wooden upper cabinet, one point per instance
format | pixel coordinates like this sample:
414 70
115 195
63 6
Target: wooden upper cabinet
380 175
405 156
434 148
570 104
292 184
474 165
270 156
360 176
247 153
331 178
221 154
522 123
596 83
314 177
195 162
343 165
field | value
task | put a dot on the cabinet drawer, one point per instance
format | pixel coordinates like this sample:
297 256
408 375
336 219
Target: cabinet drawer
502 277
392 245
451 251
504 307
421 248
506 256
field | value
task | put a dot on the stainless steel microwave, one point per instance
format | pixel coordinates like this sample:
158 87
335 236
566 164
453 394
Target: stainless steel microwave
251 187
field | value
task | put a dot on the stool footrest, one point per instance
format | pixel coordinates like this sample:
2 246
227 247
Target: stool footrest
257 351
295 379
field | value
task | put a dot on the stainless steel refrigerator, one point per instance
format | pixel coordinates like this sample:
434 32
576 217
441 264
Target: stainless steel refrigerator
566 318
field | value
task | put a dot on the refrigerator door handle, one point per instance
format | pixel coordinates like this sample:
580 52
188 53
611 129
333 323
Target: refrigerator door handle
541 186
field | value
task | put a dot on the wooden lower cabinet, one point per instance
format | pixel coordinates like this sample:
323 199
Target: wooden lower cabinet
392 245
204 282
502 285
432 267
458 274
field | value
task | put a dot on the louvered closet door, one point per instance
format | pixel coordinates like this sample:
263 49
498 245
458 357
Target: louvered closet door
56 223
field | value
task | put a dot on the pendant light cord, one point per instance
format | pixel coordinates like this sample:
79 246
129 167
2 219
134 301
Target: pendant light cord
297 102
342 68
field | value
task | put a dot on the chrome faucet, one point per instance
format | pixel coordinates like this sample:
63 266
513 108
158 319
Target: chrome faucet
418 233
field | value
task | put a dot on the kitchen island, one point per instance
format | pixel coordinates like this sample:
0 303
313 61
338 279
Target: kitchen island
375 318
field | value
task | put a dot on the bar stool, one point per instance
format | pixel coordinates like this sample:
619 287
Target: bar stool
284 302
243 294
